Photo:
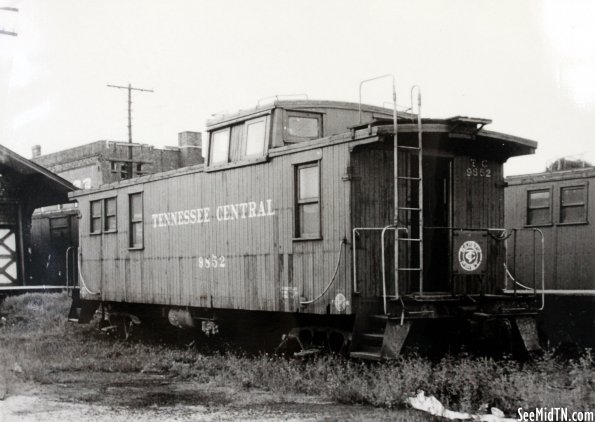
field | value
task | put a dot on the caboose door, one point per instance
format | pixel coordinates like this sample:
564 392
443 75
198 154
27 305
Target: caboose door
437 212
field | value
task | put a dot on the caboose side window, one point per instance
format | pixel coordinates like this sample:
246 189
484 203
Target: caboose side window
109 212
539 210
136 220
59 228
301 127
95 217
308 201
573 204
255 137
219 148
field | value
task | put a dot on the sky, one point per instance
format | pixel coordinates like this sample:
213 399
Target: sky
527 65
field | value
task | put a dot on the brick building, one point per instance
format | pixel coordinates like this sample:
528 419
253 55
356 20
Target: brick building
54 233
97 163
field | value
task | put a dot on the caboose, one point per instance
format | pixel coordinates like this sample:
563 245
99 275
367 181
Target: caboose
353 222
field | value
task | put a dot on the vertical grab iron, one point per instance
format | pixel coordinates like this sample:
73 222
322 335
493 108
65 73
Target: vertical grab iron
407 183
396 172
420 187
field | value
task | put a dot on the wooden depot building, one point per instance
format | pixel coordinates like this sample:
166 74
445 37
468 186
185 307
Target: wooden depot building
24 186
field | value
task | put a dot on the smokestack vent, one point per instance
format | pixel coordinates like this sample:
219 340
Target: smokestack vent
190 144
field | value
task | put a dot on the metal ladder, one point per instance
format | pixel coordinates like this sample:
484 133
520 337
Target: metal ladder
408 208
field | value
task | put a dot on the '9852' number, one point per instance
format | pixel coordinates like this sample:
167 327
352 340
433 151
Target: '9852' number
478 169
212 261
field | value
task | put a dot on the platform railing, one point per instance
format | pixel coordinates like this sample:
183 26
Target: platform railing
537 244
536 273
537 257
383 230
71 268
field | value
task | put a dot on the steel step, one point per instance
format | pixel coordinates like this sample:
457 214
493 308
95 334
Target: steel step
373 337
378 318
366 355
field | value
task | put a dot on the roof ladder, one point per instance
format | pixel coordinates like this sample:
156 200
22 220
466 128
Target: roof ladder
409 207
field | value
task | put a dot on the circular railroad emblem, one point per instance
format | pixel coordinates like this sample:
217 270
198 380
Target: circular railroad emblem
470 255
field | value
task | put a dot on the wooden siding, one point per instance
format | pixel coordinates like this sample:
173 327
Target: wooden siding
266 269
569 251
477 202
372 206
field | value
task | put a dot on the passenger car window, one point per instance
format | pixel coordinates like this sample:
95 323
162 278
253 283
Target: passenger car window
573 203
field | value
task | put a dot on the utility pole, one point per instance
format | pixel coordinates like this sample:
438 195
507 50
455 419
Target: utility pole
130 89
2 30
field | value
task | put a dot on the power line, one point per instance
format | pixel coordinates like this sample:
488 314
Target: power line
3 31
130 89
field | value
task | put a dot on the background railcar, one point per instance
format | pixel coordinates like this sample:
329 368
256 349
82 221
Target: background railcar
287 216
54 240
557 203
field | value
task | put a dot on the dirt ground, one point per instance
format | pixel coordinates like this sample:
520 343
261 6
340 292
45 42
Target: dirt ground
116 397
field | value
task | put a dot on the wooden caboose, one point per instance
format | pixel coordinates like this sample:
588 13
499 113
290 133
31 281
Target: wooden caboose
287 217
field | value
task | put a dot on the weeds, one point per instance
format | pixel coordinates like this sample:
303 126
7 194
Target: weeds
36 341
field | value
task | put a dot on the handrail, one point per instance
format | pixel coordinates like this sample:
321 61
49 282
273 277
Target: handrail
276 97
68 249
388 75
534 230
392 226
395 167
542 267
308 302
354 243
81 278
504 237
420 186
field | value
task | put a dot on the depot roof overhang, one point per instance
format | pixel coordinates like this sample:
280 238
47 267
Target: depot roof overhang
37 185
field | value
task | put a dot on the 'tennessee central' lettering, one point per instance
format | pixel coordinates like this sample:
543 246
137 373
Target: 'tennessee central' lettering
226 212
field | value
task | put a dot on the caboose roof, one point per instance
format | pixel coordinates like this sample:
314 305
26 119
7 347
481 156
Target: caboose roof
227 118
463 135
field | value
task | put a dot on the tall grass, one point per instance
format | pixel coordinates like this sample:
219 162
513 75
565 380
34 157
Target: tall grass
37 339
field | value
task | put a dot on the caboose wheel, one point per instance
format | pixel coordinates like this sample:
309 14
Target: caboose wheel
120 324
308 341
